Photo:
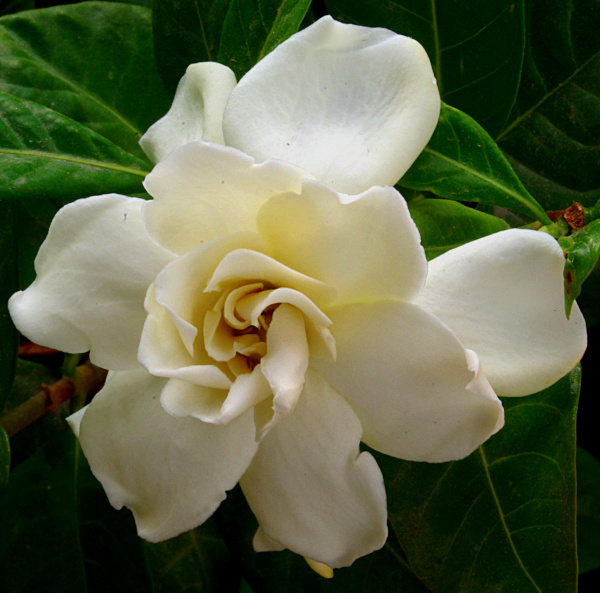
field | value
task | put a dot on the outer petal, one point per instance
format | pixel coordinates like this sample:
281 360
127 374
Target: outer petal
503 296
354 106
171 472
204 191
418 394
366 246
310 488
196 113
93 271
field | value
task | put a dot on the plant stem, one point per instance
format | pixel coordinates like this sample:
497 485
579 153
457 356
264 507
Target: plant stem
87 378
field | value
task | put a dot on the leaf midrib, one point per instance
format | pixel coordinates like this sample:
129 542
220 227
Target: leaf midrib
75 160
503 519
488 180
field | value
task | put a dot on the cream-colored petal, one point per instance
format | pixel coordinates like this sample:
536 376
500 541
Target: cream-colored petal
171 472
286 361
419 395
503 296
203 191
93 271
309 486
196 112
354 106
248 265
365 246
172 343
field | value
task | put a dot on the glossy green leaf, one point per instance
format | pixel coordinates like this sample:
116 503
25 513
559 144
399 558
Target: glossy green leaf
4 458
553 136
8 285
504 518
195 561
462 162
44 154
444 224
277 572
253 28
476 47
588 511
92 62
582 251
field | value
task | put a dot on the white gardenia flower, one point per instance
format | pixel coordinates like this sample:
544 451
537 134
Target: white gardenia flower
260 323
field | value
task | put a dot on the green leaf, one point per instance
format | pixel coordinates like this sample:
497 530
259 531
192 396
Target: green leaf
502 519
92 62
196 561
588 511
237 33
476 47
582 251
59 533
384 570
8 284
4 458
444 225
462 162
253 28
44 154
552 136
186 33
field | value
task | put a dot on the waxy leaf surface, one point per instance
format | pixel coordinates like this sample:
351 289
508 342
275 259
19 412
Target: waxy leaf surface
462 162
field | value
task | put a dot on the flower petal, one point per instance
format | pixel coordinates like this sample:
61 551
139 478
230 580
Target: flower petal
196 113
286 361
418 394
204 191
250 265
354 106
503 296
365 246
171 345
171 472
311 489
181 398
93 271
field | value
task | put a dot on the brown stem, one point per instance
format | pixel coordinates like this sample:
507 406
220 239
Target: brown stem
88 378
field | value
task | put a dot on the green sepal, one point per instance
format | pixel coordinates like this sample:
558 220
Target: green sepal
582 250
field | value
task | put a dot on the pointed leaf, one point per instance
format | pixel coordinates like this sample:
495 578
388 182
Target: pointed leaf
476 47
444 225
504 518
552 136
462 162
45 154
92 62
